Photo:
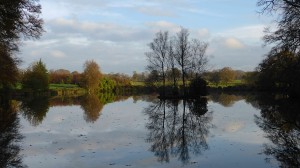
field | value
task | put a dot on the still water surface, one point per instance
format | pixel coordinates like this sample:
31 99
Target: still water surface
142 131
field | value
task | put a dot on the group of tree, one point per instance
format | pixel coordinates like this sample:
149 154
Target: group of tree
63 76
280 70
37 78
175 57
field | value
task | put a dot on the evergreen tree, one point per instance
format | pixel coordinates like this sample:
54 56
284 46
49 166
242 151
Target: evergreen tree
36 77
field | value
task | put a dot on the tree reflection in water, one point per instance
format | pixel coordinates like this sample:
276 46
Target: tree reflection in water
35 109
178 128
92 107
92 104
9 135
226 100
280 120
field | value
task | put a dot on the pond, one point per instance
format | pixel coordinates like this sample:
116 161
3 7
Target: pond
221 130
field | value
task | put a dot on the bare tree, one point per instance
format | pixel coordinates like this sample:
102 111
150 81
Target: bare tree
182 54
172 62
199 57
168 57
157 57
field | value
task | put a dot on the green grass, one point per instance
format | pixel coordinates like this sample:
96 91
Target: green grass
54 86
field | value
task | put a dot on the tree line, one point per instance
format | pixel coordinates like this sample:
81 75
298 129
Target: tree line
37 78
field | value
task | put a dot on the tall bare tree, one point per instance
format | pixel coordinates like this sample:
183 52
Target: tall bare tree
172 62
199 57
182 54
157 57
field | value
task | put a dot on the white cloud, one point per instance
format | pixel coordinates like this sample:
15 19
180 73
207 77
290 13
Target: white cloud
35 53
82 41
251 34
57 54
232 52
203 33
97 30
233 43
202 12
163 26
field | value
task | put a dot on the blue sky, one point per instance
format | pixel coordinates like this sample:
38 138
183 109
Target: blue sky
115 33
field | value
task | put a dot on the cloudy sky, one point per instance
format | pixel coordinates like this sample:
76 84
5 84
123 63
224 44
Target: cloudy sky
115 33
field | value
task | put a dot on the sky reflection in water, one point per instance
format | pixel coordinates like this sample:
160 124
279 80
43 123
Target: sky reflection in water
95 131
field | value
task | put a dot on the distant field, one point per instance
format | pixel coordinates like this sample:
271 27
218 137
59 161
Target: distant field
233 83
134 83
